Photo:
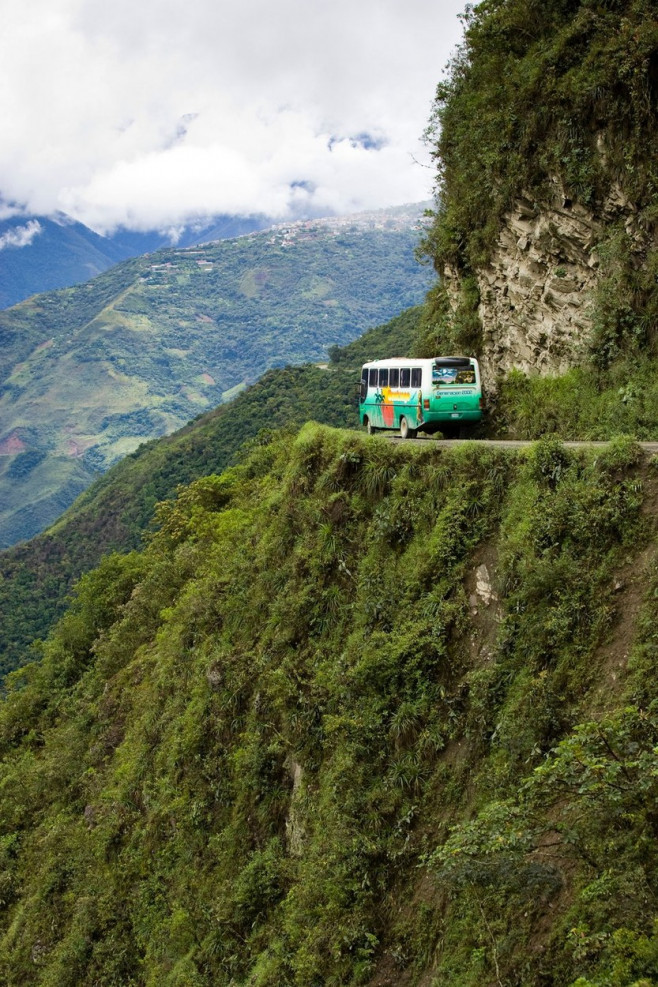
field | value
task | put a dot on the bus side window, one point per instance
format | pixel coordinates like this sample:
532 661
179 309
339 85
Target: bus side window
373 377
394 378
405 377
417 377
364 374
383 377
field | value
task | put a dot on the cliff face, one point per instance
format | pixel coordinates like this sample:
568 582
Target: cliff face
360 713
537 290
545 135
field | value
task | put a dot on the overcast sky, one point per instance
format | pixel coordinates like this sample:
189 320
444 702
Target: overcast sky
146 113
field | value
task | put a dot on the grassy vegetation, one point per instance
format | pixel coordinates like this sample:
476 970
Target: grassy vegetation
38 487
581 404
92 372
362 713
114 512
543 89
380 776
60 254
555 100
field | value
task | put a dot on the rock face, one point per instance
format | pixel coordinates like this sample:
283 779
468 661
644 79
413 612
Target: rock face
295 832
484 590
536 291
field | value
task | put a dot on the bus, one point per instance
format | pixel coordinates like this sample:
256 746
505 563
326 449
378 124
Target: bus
440 394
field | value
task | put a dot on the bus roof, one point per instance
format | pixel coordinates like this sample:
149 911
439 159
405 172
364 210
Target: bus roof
405 361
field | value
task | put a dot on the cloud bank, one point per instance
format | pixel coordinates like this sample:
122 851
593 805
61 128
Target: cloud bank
146 115
21 236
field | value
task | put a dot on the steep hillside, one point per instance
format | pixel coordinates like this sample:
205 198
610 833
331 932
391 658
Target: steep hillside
36 577
89 373
546 137
359 714
42 253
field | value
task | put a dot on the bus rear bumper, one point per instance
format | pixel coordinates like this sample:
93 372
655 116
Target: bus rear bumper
435 417
434 422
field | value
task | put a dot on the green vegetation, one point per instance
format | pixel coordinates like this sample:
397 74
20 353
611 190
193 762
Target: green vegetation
65 252
290 744
555 102
543 89
359 713
112 514
397 337
581 404
91 372
36 487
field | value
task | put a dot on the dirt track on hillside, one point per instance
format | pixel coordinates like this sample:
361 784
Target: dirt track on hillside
650 448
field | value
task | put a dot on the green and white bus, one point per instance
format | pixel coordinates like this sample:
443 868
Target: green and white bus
441 394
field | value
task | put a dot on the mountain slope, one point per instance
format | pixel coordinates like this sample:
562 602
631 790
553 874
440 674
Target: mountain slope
220 227
91 372
359 714
36 577
42 253
371 714
546 136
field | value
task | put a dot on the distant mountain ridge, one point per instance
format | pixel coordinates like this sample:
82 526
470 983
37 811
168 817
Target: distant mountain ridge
88 373
36 576
43 253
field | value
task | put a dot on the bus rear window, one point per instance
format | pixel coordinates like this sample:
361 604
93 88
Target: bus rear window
442 376
373 377
383 377
416 377
405 377
394 379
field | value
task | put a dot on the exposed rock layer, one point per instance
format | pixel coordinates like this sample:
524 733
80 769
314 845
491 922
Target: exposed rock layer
536 292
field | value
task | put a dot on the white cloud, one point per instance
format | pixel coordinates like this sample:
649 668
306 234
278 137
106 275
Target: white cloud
21 236
146 114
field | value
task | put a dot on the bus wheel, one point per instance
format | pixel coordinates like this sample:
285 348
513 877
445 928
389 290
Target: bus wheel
370 428
405 431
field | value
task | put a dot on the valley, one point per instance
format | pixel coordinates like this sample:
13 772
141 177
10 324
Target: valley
286 704
43 253
89 373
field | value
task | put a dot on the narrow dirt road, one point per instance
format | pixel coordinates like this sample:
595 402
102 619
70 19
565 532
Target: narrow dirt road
650 448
